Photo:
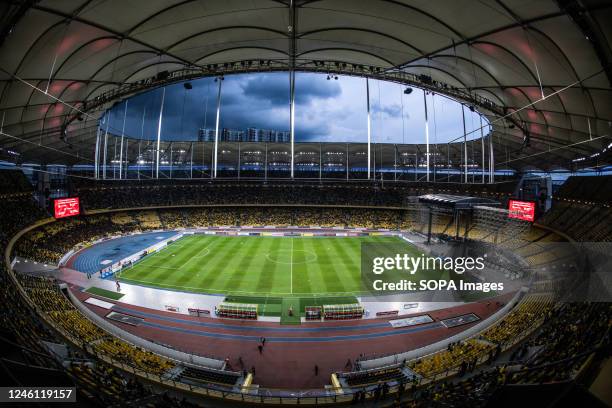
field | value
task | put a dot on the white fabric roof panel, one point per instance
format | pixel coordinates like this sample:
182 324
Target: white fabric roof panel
504 50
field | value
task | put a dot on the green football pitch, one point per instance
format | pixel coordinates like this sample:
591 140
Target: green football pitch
259 265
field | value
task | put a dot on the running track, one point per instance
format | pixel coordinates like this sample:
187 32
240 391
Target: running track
291 351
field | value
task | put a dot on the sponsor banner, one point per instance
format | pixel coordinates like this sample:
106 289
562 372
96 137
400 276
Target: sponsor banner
460 320
99 303
388 313
198 312
123 318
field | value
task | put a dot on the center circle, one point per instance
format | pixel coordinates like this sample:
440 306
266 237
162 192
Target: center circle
288 256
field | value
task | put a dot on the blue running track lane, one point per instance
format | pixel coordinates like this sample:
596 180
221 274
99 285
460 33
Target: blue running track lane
90 259
237 327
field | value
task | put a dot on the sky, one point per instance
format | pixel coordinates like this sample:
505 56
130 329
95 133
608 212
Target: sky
326 110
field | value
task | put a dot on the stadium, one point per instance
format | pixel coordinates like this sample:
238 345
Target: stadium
381 203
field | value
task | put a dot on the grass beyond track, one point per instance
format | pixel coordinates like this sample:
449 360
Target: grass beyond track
258 265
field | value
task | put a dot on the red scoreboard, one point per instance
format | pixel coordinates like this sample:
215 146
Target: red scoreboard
523 210
66 207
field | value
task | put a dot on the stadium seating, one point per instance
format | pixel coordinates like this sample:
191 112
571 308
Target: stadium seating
571 335
14 182
195 375
471 352
362 379
128 194
521 321
582 327
586 189
48 298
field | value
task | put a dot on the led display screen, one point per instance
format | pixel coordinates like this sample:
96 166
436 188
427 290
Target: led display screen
522 210
66 207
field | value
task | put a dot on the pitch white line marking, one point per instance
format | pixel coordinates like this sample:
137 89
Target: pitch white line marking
202 256
163 267
227 292
270 258
199 255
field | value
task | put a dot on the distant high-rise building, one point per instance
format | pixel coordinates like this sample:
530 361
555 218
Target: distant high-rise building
232 135
250 135
206 135
282 136
267 135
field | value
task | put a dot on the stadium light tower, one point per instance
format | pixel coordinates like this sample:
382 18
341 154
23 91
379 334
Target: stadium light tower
216 149
369 124
122 137
159 127
491 157
482 147
105 145
291 31
465 166
426 135
292 118
97 158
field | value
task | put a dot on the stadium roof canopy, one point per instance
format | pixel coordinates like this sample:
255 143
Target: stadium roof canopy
500 55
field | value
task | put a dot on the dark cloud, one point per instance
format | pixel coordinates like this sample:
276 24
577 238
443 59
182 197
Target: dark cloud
312 131
325 110
392 110
260 101
269 89
274 89
309 88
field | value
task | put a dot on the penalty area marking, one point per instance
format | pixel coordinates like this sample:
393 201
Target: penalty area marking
200 255
161 267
